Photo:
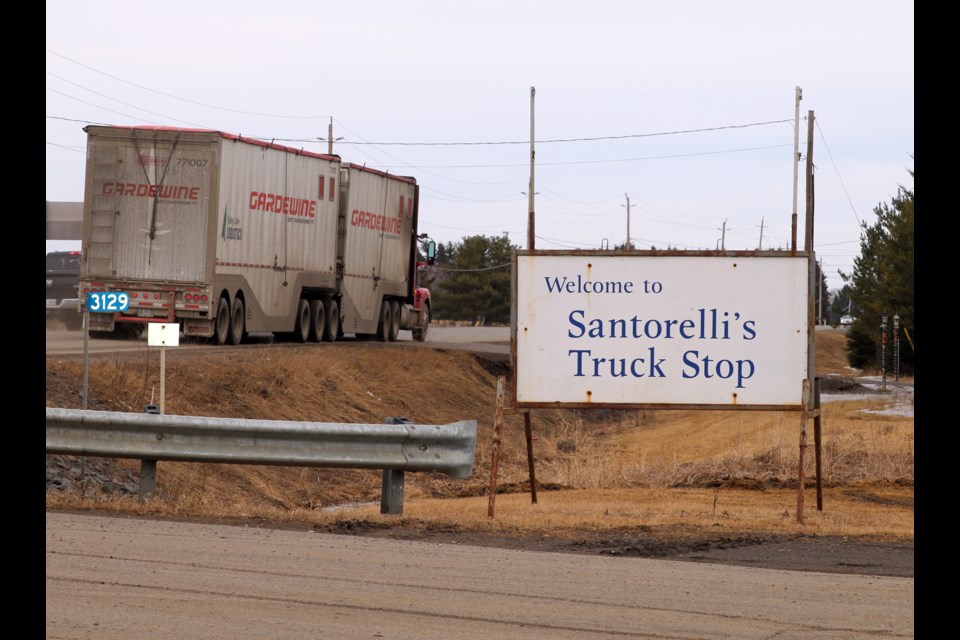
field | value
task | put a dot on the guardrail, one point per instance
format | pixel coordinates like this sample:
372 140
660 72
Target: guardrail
395 447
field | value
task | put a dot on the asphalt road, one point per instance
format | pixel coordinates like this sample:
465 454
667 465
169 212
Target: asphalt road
479 339
121 578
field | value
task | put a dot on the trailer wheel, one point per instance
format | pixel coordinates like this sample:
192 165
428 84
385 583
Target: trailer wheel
318 320
420 333
394 321
221 328
331 328
237 322
301 330
386 319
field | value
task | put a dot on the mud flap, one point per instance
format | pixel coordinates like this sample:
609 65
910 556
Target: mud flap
101 322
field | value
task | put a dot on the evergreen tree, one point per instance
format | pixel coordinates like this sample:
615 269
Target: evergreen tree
882 285
474 281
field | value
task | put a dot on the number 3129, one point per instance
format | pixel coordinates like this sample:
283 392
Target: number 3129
107 301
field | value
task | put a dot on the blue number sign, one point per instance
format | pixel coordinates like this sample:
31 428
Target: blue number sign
107 301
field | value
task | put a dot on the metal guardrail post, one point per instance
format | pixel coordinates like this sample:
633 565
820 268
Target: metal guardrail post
148 479
148 468
391 488
391 492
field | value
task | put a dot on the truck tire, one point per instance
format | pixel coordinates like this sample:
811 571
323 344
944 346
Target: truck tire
221 326
420 333
237 322
394 321
318 320
301 329
331 328
386 318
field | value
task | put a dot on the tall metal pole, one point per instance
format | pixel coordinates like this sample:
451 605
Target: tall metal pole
530 226
86 353
760 245
796 164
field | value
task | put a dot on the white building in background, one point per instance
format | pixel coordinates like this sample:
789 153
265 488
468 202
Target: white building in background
64 226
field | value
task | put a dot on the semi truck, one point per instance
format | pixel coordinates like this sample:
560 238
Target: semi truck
228 236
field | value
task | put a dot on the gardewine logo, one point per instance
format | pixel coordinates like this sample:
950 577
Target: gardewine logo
375 221
277 203
143 160
142 190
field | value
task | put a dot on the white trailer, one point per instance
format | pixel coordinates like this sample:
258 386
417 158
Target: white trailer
228 236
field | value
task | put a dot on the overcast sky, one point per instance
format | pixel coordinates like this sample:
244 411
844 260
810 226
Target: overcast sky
685 107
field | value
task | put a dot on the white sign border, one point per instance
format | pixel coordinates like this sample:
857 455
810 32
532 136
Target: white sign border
805 386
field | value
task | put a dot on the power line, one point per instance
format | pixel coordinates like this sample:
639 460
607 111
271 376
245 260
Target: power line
126 104
125 115
590 139
169 95
68 148
825 146
364 142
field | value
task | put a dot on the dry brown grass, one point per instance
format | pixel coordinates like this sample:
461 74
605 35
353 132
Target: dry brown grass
595 470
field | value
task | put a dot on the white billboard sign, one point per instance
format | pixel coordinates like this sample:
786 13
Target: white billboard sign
601 329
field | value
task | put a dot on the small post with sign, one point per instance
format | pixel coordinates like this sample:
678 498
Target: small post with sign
99 302
163 335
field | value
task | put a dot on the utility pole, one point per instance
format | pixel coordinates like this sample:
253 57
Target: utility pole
629 243
808 231
330 137
796 164
527 421
530 234
760 246
723 235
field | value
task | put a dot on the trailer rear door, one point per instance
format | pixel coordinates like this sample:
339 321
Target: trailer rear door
149 195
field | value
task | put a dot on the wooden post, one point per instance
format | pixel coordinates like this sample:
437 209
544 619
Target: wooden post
528 431
804 411
163 380
816 441
495 455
